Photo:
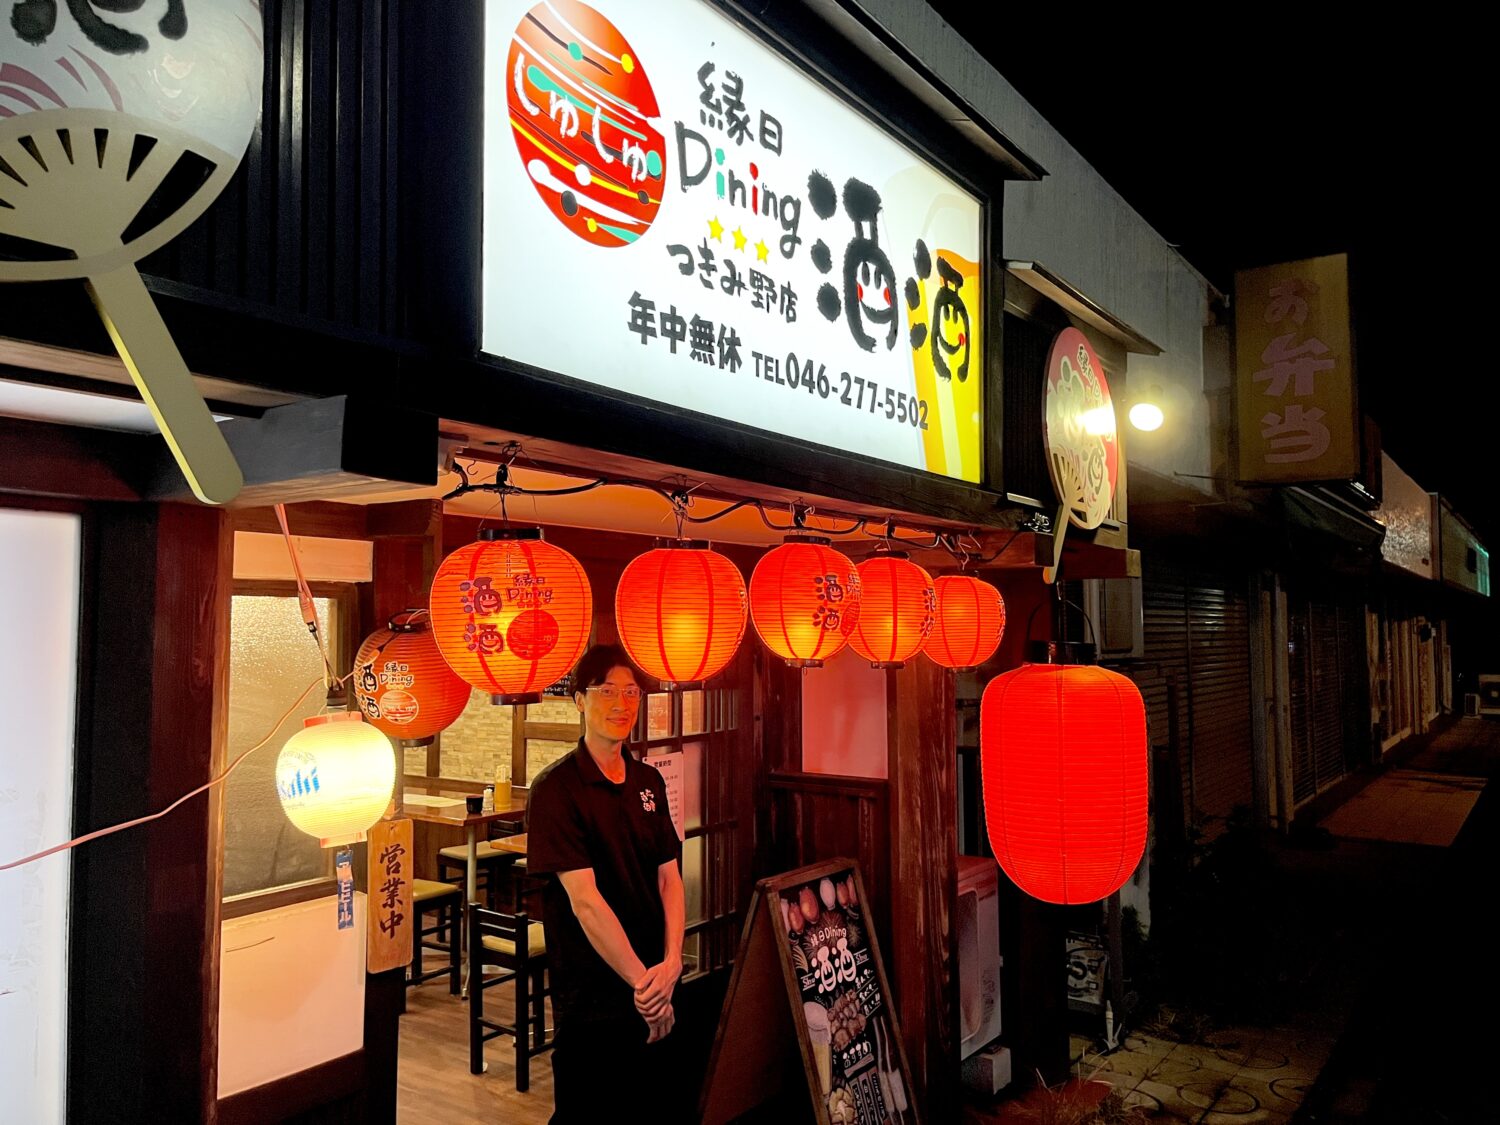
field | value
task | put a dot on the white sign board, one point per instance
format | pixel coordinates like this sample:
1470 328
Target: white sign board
673 210
670 767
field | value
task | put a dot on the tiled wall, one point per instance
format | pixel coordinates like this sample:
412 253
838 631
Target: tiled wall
477 746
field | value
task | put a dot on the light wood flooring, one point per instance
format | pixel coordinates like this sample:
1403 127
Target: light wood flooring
435 1084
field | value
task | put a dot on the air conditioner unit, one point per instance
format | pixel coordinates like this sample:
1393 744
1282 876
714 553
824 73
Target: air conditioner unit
977 923
1114 608
1471 704
1489 695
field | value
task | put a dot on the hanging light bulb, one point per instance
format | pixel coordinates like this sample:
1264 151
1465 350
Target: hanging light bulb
1146 415
335 777
680 610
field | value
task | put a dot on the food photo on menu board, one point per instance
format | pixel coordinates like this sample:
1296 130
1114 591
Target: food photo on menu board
844 1012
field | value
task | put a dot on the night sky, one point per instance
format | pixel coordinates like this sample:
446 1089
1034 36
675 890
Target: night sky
1245 144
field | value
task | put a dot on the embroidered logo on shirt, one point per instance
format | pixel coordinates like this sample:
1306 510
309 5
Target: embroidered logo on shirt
648 800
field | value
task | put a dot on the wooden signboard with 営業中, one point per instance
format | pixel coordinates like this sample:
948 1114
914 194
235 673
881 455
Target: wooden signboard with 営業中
809 1010
390 917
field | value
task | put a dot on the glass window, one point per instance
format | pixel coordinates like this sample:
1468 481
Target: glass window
272 661
692 785
693 713
658 716
692 877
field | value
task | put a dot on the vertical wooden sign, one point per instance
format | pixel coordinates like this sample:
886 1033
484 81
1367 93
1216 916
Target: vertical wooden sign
810 931
390 919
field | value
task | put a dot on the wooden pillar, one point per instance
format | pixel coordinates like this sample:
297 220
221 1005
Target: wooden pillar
924 878
144 981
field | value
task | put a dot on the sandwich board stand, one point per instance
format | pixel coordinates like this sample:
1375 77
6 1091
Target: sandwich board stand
808 1012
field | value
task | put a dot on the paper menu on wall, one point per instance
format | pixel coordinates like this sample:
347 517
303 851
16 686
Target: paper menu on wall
669 765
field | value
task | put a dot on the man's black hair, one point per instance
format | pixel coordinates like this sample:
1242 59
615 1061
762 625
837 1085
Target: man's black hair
597 664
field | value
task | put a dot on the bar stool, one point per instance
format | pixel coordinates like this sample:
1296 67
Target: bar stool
453 866
518 945
446 901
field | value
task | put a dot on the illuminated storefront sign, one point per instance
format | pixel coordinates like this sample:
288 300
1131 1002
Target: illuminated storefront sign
1294 376
673 210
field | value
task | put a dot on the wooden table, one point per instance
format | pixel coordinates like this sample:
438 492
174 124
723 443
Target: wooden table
515 844
458 816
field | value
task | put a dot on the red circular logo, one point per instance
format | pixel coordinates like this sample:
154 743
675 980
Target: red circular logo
533 634
582 113
399 706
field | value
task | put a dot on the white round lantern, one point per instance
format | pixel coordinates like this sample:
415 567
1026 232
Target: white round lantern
335 777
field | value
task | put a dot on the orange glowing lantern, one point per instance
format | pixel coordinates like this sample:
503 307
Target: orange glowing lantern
1063 763
896 608
511 613
403 684
804 600
969 623
680 610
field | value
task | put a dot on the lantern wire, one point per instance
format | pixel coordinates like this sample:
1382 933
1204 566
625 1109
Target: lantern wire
219 779
679 494
305 600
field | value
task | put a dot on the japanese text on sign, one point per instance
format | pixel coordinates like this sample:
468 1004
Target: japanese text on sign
678 180
1296 388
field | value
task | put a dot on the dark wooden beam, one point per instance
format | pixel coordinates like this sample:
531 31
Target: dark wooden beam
45 459
321 448
922 747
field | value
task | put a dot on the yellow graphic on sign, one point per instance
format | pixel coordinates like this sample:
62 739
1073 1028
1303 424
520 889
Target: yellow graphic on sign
946 312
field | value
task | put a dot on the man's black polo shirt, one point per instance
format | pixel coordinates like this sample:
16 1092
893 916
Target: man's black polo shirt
576 818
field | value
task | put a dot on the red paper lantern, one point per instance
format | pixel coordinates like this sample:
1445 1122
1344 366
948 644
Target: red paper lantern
403 684
511 613
1063 763
680 611
969 623
804 600
896 608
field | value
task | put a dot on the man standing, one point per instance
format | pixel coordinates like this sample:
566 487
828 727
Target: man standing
598 826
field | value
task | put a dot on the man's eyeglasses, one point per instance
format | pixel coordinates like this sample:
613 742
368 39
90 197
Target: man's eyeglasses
611 692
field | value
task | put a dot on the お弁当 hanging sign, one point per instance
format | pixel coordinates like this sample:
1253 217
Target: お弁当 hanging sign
674 210
810 929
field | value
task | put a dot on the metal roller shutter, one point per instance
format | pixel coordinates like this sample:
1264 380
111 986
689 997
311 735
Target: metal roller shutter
1197 629
1329 719
1223 739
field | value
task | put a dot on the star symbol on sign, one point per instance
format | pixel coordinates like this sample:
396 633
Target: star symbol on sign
739 238
716 230
762 251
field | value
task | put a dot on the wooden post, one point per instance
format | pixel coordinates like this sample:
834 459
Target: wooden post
922 745
144 939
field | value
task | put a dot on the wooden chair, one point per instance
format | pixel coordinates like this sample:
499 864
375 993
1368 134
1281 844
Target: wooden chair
518 945
446 902
490 865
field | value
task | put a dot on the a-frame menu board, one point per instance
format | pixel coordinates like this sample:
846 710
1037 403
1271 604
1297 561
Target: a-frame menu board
809 1004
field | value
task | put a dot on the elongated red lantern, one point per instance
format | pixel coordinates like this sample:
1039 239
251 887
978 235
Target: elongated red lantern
403 684
969 622
1063 764
804 600
896 607
511 613
680 610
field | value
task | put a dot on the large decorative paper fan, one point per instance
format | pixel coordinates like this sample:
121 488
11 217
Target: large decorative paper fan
119 124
